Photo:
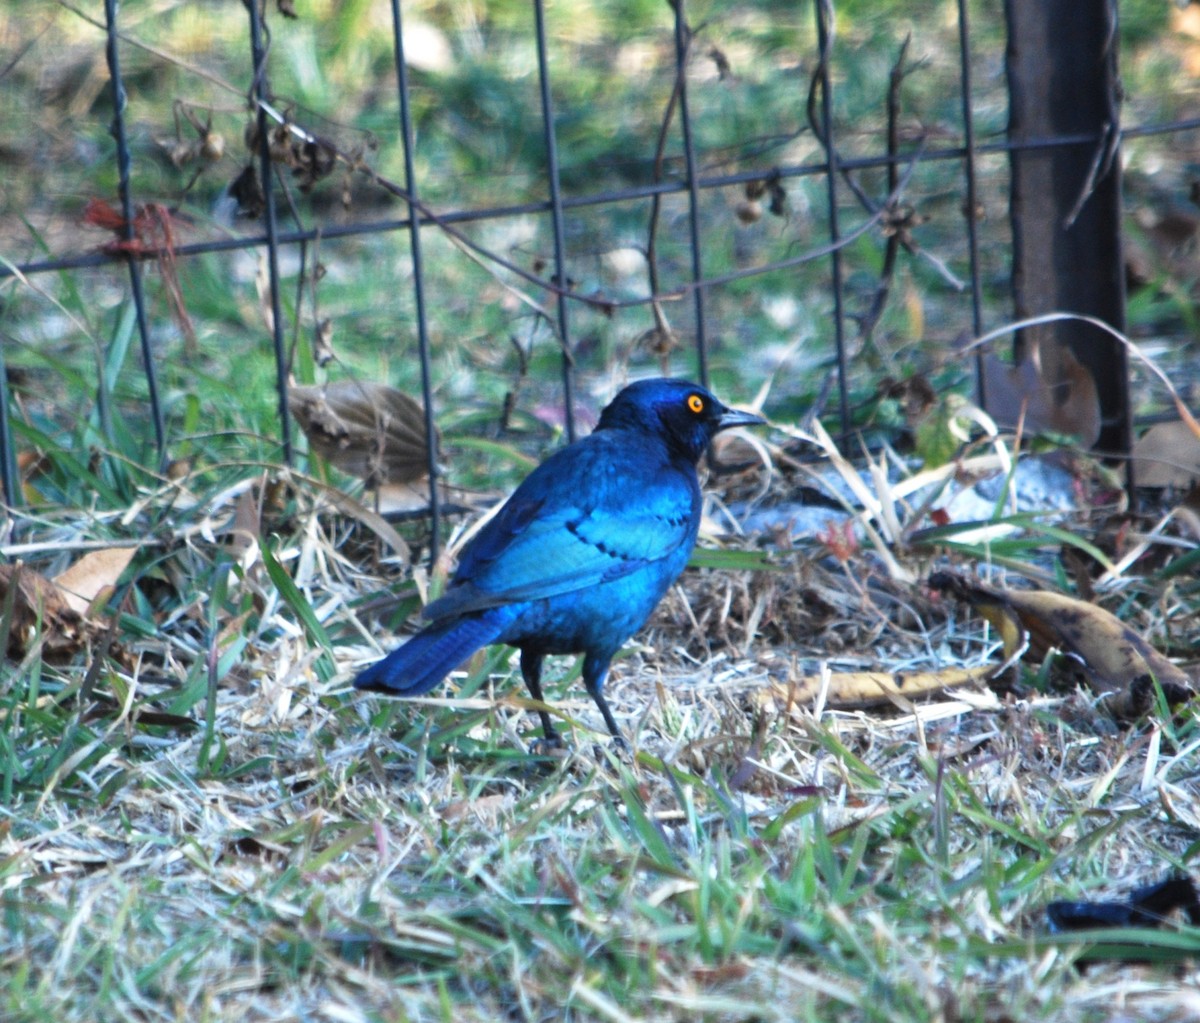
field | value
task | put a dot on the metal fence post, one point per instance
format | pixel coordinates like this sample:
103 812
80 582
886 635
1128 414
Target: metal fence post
1066 199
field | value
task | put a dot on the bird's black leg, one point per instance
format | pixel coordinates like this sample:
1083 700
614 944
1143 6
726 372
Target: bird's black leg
595 669
531 670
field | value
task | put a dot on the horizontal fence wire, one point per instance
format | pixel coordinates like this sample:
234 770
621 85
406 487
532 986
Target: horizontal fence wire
632 193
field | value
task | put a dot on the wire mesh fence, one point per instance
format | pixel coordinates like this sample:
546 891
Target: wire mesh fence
767 193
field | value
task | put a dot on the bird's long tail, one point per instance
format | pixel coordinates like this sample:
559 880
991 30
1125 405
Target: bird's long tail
427 658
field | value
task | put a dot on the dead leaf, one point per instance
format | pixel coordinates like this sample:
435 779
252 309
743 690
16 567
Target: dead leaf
35 599
398 498
92 577
1167 455
57 610
376 523
1023 395
246 530
366 429
1118 663
856 690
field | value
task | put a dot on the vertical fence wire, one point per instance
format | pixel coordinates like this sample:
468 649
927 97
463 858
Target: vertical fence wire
13 498
261 94
556 215
972 212
683 46
414 235
824 12
124 163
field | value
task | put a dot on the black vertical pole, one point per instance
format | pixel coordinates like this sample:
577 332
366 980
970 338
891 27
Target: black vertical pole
124 162
414 236
972 213
1066 200
824 11
13 497
682 49
261 94
556 215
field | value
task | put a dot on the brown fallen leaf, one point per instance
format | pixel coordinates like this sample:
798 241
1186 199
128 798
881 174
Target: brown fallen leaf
92 579
1167 455
366 429
36 600
373 521
856 690
1118 663
245 532
1025 395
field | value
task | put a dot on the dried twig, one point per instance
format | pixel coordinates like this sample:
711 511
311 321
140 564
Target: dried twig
897 220
883 289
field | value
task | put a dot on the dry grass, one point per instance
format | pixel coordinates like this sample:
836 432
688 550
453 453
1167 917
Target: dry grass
307 853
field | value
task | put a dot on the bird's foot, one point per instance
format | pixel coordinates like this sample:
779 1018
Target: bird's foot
548 745
616 747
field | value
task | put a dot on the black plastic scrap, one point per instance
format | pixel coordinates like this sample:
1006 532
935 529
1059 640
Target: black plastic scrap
1146 907
1150 906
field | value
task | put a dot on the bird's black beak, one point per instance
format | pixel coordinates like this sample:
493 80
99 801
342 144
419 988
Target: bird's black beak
736 417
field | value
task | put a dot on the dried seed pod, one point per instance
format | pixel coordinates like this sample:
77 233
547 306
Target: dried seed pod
749 211
213 146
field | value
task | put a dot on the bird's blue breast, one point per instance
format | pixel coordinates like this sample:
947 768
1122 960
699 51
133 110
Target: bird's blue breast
586 546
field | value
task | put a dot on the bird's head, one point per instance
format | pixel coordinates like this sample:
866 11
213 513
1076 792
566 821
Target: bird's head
684 414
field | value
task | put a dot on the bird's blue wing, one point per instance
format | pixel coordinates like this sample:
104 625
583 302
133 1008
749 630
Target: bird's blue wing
574 523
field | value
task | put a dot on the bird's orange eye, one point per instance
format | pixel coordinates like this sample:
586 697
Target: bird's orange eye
695 403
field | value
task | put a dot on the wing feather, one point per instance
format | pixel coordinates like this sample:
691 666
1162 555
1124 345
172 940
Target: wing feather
576 522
